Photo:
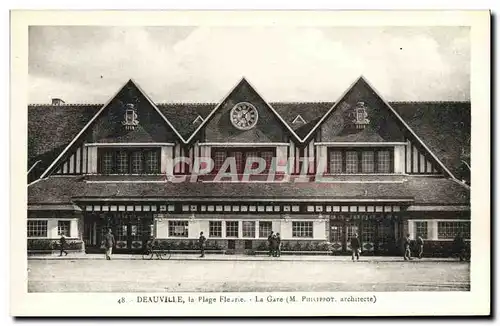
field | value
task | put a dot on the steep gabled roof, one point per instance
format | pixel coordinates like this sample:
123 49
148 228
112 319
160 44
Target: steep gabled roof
129 82
242 81
361 79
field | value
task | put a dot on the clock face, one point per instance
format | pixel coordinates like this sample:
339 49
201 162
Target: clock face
244 116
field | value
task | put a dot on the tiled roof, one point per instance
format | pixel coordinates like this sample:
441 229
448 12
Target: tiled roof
182 115
310 112
424 190
443 126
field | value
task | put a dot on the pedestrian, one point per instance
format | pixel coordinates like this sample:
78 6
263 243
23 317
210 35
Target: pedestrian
420 246
355 246
201 242
269 243
459 246
278 245
62 243
407 244
274 245
109 243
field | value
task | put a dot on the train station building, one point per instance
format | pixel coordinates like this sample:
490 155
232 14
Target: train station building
236 170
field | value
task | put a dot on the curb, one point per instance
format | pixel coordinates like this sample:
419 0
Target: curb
346 260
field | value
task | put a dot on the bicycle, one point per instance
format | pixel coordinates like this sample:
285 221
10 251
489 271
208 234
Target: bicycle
162 254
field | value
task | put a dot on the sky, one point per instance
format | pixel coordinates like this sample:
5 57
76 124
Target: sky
88 64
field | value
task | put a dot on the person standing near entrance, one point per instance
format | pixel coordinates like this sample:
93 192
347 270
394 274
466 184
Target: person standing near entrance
407 244
355 246
109 243
201 242
270 243
420 246
62 243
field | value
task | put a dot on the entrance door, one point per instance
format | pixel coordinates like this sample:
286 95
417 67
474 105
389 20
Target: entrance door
337 236
368 236
351 229
386 239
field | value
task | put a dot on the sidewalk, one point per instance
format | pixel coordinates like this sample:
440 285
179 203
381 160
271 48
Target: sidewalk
221 257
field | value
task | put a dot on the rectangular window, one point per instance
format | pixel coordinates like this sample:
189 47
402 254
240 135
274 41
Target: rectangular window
367 162
360 160
351 162
421 229
122 162
449 230
136 162
215 229
232 229
302 229
37 228
265 229
384 162
152 162
129 161
268 157
107 163
219 158
178 229
248 228
63 227
241 156
335 162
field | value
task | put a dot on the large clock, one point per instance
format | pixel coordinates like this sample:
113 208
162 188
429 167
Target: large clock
244 116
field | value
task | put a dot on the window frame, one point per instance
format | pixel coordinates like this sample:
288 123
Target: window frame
243 235
465 236
218 226
67 234
301 232
233 222
37 235
179 222
145 168
360 150
417 232
246 152
265 236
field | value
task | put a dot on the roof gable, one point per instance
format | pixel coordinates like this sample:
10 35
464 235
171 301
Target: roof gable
108 122
356 91
245 92
309 111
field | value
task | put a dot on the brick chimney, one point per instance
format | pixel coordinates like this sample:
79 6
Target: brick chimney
57 101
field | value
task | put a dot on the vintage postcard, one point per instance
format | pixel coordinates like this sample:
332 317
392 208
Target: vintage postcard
319 163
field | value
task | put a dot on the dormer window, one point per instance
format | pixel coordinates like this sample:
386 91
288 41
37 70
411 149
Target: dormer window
130 117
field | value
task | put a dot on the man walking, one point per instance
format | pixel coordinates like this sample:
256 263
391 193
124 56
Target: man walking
355 246
420 246
270 243
109 243
407 244
278 245
62 242
201 242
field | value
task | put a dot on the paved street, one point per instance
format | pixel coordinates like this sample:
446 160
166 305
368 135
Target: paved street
339 274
